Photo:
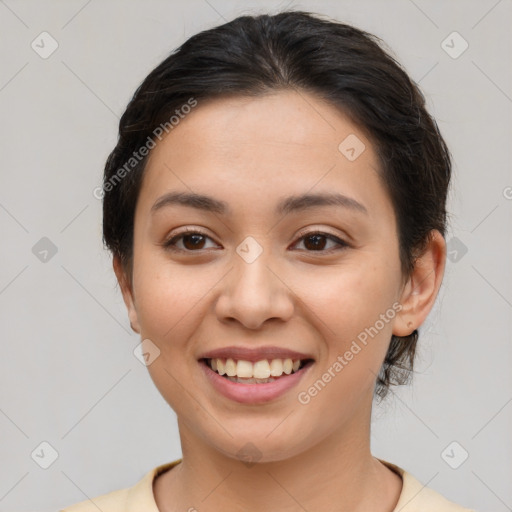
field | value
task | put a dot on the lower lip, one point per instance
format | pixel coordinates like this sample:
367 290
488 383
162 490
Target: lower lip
253 393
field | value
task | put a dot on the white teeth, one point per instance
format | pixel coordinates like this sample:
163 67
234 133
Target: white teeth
260 371
244 369
250 381
276 367
230 368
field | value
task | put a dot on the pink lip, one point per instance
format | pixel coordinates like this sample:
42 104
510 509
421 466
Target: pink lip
254 354
253 393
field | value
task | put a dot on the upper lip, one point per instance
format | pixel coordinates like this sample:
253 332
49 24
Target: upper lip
254 354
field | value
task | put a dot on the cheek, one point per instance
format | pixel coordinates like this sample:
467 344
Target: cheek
169 310
350 297
355 341
354 313
168 299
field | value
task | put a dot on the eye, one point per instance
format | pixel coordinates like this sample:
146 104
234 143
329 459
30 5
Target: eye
191 238
315 241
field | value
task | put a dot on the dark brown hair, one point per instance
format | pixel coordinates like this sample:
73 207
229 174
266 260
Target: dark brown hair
343 65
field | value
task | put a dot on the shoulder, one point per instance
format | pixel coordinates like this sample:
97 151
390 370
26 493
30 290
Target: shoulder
416 497
112 502
131 499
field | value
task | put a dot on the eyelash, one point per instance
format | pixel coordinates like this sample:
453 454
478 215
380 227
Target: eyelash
171 243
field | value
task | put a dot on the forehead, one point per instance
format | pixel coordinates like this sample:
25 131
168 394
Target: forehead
290 120
254 148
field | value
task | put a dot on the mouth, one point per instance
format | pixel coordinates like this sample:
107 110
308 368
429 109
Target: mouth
254 382
263 371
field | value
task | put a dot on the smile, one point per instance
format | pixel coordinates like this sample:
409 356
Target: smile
260 372
254 382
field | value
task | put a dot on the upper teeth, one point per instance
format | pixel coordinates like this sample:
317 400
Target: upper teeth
259 370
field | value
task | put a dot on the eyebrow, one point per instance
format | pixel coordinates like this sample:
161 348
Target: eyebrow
285 206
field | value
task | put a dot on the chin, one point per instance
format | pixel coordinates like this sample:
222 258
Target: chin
259 448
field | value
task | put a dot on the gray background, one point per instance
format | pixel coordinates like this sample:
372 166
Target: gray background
68 373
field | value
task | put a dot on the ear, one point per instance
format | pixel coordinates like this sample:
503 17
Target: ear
127 291
420 291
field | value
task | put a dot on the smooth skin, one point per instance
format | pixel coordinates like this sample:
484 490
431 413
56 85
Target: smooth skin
310 295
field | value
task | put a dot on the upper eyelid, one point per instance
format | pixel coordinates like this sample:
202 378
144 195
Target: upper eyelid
185 231
320 231
330 236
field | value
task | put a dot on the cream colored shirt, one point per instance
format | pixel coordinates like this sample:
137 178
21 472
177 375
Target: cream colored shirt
140 498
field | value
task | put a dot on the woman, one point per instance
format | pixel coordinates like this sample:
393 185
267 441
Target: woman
275 207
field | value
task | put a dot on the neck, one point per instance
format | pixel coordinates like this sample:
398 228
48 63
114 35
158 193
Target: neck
338 473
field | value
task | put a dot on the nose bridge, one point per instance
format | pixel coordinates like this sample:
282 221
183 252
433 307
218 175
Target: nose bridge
252 267
253 292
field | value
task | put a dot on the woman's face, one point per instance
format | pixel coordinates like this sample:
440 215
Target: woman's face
269 272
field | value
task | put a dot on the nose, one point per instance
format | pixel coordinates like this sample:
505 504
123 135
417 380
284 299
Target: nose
253 293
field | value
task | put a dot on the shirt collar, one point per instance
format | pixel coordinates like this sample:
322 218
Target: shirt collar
141 496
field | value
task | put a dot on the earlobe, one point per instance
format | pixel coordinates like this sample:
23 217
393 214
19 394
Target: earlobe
420 292
127 292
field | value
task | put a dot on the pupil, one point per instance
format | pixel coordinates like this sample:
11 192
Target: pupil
316 244
194 244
